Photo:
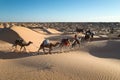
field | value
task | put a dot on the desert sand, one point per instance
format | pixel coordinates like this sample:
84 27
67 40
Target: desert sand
96 60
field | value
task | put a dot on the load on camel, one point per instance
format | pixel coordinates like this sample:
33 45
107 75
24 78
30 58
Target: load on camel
46 44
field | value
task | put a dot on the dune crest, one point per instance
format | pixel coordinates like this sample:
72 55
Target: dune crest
51 31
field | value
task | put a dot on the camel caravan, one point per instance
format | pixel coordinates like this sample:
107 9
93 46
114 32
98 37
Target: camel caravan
63 43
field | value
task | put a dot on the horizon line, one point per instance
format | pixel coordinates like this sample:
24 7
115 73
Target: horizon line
55 22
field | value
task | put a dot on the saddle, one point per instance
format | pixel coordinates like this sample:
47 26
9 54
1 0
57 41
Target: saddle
46 42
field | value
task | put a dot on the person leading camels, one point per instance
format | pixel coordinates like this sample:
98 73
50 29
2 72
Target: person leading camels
76 41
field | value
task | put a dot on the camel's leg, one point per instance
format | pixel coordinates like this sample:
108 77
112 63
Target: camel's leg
73 44
61 48
39 49
78 44
21 48
14 47
89 39
24 49
50 48
43 49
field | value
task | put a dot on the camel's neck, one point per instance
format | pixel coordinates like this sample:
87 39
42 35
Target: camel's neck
28 44
55 44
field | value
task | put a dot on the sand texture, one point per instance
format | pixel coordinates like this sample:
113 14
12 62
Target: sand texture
96 60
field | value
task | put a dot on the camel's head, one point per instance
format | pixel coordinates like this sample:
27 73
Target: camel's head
30 42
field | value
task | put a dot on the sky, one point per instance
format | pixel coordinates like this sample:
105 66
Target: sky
59 10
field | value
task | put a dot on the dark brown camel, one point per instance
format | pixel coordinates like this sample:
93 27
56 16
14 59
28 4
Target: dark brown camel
49 46
64 42
88 35
21 44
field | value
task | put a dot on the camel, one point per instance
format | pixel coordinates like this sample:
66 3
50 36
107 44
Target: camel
21 44
88 37
64 42
49 46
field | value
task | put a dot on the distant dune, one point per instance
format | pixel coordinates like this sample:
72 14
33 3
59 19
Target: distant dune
53 31
40 31
47 31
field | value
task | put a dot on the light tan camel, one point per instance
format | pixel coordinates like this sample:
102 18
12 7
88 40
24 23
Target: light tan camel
21 44
49 46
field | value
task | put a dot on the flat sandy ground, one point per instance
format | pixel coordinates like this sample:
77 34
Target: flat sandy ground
96 60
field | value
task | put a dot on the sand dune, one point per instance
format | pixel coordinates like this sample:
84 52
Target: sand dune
40 31
51 31
29 35
47 31
74 65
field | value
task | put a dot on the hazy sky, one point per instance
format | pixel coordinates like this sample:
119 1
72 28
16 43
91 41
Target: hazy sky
59 10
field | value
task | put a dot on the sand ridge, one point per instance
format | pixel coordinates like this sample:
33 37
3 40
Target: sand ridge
53 31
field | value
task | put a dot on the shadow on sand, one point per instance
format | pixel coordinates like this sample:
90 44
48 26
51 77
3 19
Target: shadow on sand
8 35
110 50
15 55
